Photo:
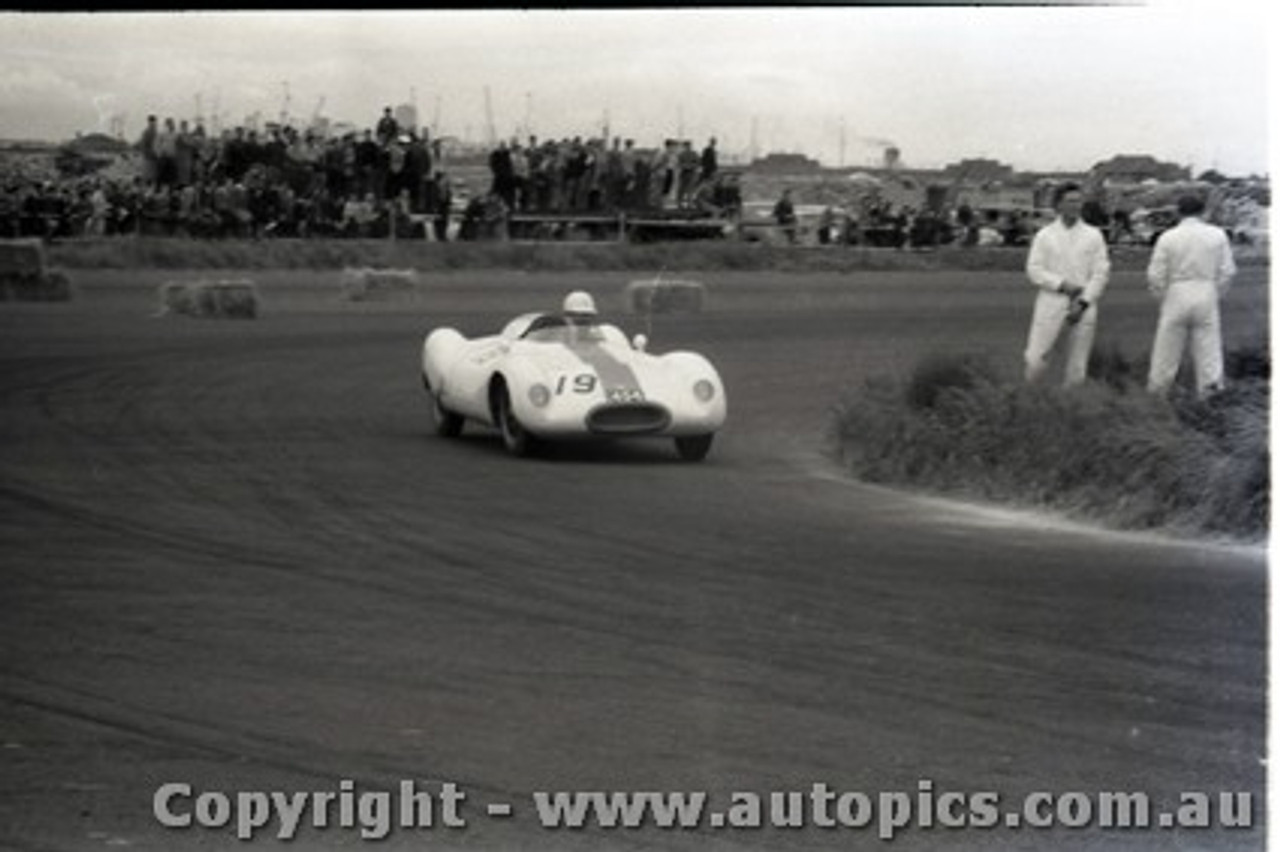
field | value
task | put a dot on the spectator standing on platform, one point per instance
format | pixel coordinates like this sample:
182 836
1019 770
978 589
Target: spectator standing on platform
784 213
1190 270
709 161
630 164
166 153
690 163
387 129
503 172
366 165
444 206
184 155
147 147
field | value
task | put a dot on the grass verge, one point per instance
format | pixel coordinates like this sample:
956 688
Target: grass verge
703 255
1107 452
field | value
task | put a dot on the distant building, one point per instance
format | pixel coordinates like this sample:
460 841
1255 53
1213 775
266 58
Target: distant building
1136 168
778 163
978 171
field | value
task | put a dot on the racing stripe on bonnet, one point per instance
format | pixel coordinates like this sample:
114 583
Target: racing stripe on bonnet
614 374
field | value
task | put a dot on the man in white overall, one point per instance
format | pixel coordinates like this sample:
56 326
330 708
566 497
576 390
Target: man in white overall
1191 268
1069 266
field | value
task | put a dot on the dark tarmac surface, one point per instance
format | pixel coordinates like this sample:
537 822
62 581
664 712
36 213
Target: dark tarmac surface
235 556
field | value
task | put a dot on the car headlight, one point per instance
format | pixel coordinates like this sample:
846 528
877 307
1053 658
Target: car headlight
539 395
704 390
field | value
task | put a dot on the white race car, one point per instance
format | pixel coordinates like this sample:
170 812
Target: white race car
569 375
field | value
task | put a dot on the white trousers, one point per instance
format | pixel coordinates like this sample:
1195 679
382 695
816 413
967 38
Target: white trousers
1047 321
1189 310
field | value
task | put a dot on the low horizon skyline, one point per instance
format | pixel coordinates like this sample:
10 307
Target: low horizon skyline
1027 86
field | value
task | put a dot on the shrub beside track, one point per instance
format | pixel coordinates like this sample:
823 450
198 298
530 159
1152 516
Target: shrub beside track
1108 451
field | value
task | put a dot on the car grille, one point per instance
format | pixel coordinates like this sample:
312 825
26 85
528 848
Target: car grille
631 419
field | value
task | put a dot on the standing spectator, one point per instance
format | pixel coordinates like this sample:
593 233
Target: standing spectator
669 168
536 190
575 170
1069 266
417 168
784 213
387 129
203 155
184 155
503 172
167 154
366 165
444 206
99 209
689 164
593 174
147 147
396 153
826 225
630 161
1190 270
519 178
709 163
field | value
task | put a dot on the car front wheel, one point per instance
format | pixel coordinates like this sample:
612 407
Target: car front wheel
694 447
514 437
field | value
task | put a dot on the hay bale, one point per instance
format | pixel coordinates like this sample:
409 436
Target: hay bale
23 276
666 296
21 257
234 299
368 283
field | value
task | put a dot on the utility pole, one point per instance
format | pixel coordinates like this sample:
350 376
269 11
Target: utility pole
842 141
528 113
754 151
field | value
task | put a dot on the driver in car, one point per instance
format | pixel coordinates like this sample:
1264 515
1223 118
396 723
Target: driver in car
579 311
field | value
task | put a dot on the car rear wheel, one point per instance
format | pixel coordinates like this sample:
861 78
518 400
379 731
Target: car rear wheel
448 424
514 437
694 447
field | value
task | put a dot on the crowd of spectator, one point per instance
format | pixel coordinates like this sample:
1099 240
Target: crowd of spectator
283 182
246 183
593 176
391 180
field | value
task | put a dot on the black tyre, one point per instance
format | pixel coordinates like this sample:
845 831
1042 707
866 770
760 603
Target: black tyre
514 437
694 447
447 423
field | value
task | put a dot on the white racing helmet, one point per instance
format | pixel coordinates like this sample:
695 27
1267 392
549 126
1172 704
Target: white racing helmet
580 302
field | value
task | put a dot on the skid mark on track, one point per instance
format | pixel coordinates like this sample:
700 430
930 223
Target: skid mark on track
985 517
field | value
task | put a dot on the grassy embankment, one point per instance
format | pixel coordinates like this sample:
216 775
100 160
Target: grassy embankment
161 253
1107 452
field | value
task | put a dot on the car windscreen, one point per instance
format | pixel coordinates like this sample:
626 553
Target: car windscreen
552 328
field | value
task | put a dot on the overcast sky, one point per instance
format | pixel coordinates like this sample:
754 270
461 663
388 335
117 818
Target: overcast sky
1039 88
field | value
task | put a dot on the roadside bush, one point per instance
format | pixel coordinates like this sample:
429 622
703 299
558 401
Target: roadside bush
1103 451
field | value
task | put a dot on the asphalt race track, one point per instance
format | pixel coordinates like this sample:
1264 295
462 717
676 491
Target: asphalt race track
235 556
